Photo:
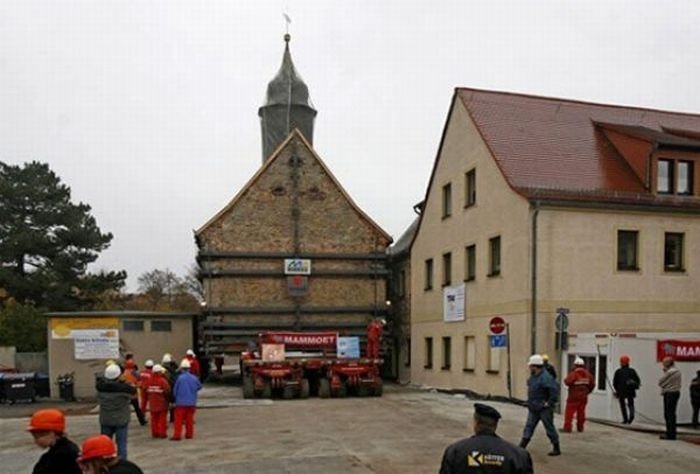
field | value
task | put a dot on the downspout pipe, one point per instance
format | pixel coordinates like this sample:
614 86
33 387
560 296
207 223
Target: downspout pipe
533 281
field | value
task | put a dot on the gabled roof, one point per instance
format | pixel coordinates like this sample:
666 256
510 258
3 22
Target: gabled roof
403 245
300 136
547 146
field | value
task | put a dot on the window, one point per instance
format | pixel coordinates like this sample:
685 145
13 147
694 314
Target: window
597 365
161 326
428 274
627 241
664 176
469 354
495 256
673 252
446 353
428 353
132 325
447 200
446 269
408 352
470 188
494 362
470 263
401 290
684 185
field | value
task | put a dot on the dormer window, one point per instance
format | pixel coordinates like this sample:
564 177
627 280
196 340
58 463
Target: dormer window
674 177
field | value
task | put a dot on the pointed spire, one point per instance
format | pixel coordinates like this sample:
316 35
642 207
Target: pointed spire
287 105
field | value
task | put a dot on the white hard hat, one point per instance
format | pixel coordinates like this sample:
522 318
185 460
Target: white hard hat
167 358
158 369
579 361
185 364
112 372
535 359
148 363
189 352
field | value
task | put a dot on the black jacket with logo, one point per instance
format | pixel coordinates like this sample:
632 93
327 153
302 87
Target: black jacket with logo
485 452
626 382
59 459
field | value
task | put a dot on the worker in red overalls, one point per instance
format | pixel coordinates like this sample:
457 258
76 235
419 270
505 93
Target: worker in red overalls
144 378
374 338
194 363
158 390
580 382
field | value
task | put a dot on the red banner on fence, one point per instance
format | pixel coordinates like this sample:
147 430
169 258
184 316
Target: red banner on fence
688 351
301 339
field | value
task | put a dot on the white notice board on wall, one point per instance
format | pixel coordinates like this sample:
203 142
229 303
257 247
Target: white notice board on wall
453 303
96 343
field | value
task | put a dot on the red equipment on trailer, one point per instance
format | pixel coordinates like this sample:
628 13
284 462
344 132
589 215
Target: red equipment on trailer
290 361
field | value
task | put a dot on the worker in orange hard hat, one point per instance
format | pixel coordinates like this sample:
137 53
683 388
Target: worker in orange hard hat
99 455
626 382
48 427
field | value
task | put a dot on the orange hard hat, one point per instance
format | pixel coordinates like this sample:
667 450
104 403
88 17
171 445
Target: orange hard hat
48 419
625 360
99 446
129 364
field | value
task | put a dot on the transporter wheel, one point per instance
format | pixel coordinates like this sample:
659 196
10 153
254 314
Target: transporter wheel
324 388
305 389
248 387
267 390
343 390
288 392
364 390
378 388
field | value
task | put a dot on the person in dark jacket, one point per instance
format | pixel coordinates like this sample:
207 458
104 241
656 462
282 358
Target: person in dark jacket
99 456
485 451
542 396
48 427
114 397
549 367
185 395
626 382
695 398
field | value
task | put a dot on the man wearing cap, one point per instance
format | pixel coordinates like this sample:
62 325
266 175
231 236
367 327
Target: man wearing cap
625 383
580 382
48 428
114 397
670 384
542 396
158 394
185 394
485 451
99 455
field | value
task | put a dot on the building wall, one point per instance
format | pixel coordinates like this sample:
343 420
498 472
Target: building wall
498 211
144 345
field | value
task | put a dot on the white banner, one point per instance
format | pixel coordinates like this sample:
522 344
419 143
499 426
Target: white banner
453 303
297 266
96 343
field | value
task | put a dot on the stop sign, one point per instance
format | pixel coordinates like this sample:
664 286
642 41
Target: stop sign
497 325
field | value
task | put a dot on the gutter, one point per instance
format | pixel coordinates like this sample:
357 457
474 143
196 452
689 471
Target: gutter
533 281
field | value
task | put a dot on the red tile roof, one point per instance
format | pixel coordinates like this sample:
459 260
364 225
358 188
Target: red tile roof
557 148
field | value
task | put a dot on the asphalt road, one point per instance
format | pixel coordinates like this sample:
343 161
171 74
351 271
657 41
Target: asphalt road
405 431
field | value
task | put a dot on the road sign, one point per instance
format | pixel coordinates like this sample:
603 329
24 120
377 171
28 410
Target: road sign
497 325
499 340
562 321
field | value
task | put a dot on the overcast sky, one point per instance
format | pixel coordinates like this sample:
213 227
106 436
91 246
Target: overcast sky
148 109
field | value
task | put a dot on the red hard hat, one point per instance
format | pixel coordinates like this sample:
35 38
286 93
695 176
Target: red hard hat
49 419
99 446
625 360
130 364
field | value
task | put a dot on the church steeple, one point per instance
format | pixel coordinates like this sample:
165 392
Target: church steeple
287 106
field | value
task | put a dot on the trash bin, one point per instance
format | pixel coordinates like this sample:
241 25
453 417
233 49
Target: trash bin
19 387
65 387
42 385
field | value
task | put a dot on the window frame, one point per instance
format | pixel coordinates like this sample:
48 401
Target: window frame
680 267
161 321
670 178
469 360
129 322
599 367
447 200
446 269
635 266
470 188
446 353
493 270
690 175
428 274
470 262
428 352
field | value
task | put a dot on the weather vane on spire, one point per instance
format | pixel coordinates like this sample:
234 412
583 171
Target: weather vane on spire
287 21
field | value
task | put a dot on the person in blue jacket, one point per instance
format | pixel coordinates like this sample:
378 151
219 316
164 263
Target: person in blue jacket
542 396
185 395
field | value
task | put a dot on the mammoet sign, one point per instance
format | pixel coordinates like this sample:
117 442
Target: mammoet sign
297 266
684 351
301 339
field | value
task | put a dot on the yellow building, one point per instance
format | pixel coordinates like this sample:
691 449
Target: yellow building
536 204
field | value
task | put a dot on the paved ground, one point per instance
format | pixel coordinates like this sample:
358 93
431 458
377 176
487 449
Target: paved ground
403 432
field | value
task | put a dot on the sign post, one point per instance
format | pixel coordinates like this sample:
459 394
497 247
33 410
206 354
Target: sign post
498 327
509 380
